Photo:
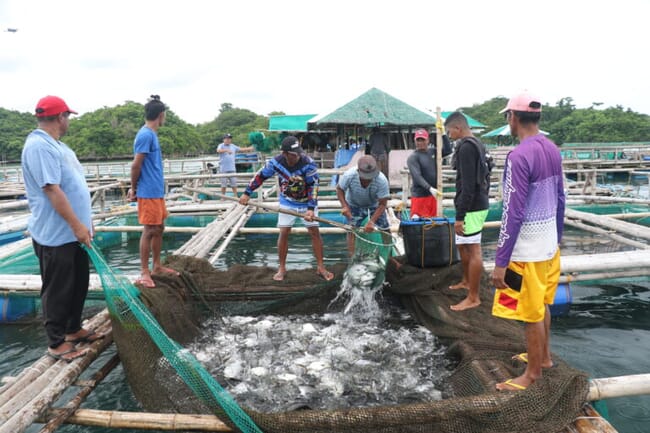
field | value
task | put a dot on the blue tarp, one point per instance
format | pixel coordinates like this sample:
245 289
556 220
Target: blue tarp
342 157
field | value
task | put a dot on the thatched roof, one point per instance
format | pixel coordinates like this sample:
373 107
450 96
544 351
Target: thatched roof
375 108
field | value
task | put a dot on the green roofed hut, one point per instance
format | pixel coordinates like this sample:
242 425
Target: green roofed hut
375 108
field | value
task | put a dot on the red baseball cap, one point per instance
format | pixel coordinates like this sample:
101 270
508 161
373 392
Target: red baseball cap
421 133
51 106
524 101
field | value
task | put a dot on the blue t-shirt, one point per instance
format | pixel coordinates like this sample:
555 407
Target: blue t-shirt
227 160
358 196
46 161
151 183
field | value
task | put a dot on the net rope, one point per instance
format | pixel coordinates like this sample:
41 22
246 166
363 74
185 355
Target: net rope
122 299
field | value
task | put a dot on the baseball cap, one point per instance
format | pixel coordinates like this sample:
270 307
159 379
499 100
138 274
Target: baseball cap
227 136
291 144
421 133
51 106
367 167
524 101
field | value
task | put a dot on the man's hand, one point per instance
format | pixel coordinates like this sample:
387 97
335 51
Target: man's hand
83 235
130 195
309 215
433 191
459 227
498 275
369 227
243 200
346 212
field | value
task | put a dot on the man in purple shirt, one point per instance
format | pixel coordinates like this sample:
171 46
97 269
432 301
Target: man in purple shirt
527 264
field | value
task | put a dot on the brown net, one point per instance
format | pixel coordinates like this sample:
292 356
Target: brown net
480 345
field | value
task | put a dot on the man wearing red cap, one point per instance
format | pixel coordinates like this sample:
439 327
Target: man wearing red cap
60 223
424 174
527 262
148 188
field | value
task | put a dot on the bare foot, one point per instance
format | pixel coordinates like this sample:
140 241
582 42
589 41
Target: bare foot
465 304
461 285
279 276
165 271
325 274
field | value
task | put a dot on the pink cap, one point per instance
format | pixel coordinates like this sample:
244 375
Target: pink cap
421 133
524 101
51 106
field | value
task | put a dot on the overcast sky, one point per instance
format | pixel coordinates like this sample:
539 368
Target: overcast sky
313 56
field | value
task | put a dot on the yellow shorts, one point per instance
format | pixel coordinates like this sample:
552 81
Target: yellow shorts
539 282
152 211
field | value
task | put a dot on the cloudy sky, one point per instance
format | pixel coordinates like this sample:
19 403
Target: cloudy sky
312 56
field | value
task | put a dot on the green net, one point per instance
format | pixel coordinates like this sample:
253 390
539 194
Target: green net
155 328
125 307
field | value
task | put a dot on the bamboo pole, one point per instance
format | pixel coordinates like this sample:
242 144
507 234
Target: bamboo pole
591 276
275 209
74 404
144 421
619 386
620 226
17 204
233 232
28 403
638 260
599 231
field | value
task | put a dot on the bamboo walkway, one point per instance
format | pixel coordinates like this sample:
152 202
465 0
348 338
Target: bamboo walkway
28 397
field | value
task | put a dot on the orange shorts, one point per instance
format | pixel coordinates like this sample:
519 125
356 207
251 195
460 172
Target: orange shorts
152 211
424 207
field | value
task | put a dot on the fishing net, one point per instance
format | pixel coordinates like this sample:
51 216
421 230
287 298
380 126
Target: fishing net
151 328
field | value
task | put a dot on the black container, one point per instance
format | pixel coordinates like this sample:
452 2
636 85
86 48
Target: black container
430 243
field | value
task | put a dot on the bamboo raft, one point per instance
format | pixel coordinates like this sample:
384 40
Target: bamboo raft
28 397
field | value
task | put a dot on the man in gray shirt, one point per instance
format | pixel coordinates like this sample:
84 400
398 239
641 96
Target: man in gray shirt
424 173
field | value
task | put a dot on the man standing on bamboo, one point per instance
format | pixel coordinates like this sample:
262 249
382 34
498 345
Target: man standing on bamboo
527 263
424 174
227 151
471 203
298 184
60 224
148 188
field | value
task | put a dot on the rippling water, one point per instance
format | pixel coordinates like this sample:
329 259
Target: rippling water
607 332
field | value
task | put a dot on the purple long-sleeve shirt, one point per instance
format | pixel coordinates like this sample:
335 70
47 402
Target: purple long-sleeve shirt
533 203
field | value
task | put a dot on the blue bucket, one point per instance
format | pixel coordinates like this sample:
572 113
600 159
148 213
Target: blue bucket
562 302
430 242
13 309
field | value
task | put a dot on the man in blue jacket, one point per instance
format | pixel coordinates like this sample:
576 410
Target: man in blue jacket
298 185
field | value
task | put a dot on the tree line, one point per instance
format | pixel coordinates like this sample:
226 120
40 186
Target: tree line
108 133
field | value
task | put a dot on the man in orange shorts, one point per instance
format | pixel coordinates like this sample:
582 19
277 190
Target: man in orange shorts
527 262
148 188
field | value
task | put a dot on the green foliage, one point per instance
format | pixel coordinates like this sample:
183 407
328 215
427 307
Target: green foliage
14 127
109 131
238 122
568 124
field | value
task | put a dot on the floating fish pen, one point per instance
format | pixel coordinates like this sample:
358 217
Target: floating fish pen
166 377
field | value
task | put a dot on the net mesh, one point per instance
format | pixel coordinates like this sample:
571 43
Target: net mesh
151 326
